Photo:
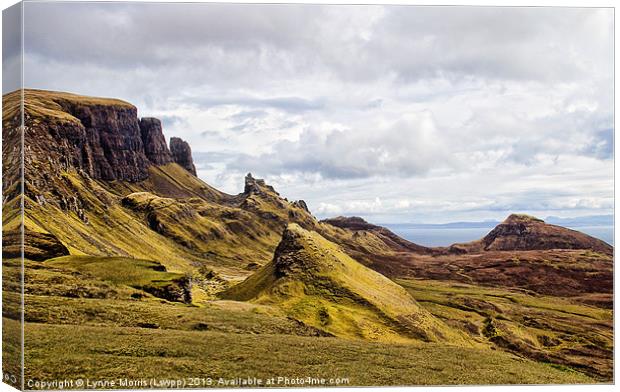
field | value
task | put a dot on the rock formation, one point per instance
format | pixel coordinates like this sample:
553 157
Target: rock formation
256 186
105 142
182 154
37 246
154 141
301 204
524 232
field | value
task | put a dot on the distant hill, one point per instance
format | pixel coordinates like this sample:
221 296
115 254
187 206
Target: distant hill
524 232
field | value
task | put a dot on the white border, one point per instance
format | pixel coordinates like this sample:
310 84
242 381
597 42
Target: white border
557 3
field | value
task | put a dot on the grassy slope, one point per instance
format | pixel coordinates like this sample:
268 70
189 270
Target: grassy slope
142 335
94 352
111 230
558 330
145 275
118 270
316 282
195 225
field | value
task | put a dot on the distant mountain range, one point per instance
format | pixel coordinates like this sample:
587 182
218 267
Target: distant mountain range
589 220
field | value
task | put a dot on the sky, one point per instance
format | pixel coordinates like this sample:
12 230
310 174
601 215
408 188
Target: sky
397 114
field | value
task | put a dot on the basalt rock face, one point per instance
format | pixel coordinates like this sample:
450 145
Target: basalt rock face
106 142
154 141
522 232
182 154
98 137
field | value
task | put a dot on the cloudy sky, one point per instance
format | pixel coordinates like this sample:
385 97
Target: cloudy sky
394 113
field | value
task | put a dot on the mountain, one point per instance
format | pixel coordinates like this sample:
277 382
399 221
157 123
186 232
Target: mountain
524 232
522 252
101 181
322 286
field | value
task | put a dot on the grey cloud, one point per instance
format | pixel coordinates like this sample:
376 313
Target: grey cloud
127 34
411 42
169 121
492 42
408 147
286 104
248 114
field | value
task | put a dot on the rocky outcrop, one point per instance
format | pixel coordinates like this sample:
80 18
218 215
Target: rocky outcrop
182 154
178 290
37 246
154 142
301 204
257 186
252 185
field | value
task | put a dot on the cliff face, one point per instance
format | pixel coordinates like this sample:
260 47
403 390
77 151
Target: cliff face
106 142
103 138
182 154
154 141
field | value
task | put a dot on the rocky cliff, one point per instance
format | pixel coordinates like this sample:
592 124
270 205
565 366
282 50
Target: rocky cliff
102 138
154 141
182 154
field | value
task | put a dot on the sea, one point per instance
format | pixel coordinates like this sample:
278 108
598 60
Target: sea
445 236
